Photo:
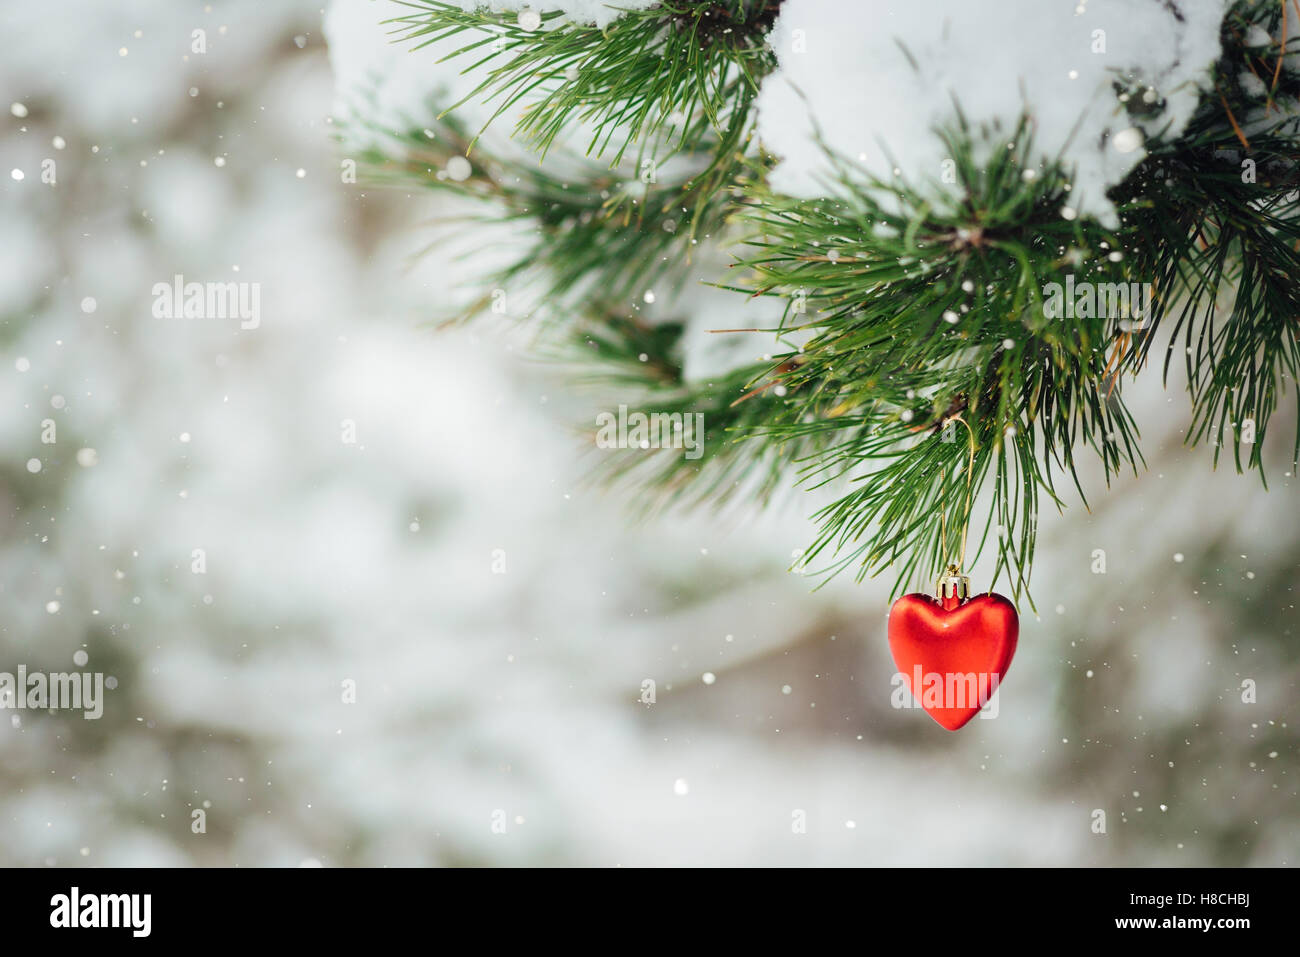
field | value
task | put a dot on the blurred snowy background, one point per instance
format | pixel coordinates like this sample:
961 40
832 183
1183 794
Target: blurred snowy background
485 697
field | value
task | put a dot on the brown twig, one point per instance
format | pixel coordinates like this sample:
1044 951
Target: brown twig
1232 119
1281 53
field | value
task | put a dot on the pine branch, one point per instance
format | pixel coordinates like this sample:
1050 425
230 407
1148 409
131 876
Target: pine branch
594 234
926 301
620 356
1214 219
681 71
939 389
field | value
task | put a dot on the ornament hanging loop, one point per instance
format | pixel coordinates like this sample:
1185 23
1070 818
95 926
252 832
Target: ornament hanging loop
970 482
952 587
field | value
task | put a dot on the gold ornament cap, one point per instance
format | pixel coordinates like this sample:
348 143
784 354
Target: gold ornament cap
952 584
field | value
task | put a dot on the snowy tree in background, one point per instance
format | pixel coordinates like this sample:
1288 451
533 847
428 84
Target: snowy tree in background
841 231
1157 687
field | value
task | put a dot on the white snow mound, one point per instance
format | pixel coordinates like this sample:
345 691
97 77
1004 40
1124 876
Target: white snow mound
876 77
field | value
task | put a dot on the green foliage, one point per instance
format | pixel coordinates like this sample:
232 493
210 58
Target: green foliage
592 233
926 315
919 373
680 73
1213 217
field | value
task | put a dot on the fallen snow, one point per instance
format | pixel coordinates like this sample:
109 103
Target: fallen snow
876 78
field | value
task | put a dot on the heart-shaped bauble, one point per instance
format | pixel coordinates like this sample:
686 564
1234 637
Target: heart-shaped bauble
953 655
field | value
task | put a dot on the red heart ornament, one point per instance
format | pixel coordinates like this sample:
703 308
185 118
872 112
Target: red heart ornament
953 653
